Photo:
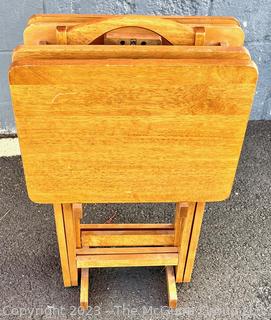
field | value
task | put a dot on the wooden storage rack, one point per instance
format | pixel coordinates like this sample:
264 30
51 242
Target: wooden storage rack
186 86
85 246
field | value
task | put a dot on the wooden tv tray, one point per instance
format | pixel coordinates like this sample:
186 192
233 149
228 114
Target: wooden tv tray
160 120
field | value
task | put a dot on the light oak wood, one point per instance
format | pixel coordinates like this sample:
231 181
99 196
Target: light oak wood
180 214
112 141
200 35
77 215
186 219
148 123
127 238
61 35
174 32
171 287
91 251
127 260
132 36
71 242
82 18
84 288
62 245
217 28
104 226
125 52
215 34
194 239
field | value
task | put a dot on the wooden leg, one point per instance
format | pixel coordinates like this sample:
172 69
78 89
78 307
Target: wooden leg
183 225
62 245
71 241
77 215
171 287
198 217
181 209
84 288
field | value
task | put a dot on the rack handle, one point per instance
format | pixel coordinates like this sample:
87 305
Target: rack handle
173 31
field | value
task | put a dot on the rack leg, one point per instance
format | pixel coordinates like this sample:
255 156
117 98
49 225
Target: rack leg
183 225
77 216
62 244
198 217
171 287
71 241
84 288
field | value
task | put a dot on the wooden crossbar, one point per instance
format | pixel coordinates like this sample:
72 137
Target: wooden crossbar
127 260
125 250
106 226
113 238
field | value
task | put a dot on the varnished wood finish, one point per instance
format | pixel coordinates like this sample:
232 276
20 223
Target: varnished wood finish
77 216
43 28
180 214
158 123
127 238
121 226
61 35
71 242
194 239
175 33
132 35
123 250
200 36
112 141
84 288
127 260
24 52
62 245
186 219
171 287
83 18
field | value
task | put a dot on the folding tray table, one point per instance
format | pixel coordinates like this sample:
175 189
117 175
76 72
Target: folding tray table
161 119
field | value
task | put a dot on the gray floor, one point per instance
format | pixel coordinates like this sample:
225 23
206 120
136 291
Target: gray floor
231 280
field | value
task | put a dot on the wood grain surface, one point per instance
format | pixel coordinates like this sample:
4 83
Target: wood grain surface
81 18
128 52
217 29
131 130
127 260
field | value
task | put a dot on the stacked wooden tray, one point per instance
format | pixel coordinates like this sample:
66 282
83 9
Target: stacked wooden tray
131 109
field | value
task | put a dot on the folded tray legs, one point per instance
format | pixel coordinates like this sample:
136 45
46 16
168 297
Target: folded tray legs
84 246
